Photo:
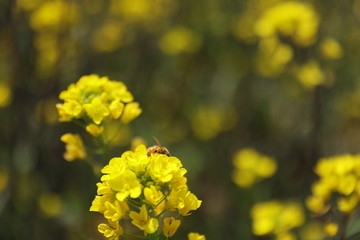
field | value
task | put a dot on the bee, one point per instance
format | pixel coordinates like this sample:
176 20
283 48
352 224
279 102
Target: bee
158 149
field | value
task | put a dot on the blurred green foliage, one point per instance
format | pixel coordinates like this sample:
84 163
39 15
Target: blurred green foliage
211 79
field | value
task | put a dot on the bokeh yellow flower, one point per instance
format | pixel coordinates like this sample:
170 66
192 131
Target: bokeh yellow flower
74 147
251 167
275 217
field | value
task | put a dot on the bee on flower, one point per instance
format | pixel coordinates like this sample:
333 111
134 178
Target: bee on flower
142 187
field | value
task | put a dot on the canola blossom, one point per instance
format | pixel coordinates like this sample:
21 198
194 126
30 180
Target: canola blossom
95 99
196 236
294 19
252 167
74 147
278 218
338 186
141 187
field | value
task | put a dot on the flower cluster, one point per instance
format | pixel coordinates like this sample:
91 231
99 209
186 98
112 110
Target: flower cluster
276 218
251 167
95 99
74 147
297 20
339 181
142 185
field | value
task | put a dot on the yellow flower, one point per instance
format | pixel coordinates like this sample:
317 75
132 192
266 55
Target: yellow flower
72 108
182 200
331 49
285 236
317 205
131 111
99 99
74 147
153 195
331 229
348 204
311 75
50 204
143 221
196 236
276 217
96 110
125 185
251 166
170 226
339 179
178 40
116 108
51 14
5 95
136 178
111 230
98 204
295 19
114 211
94 129
163 168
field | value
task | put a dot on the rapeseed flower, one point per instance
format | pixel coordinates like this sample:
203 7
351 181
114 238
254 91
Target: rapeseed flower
339 179
5 95
251 167
143 221
92 103
170 226
143 186
196 236
74 147
94 99
297 20
275 217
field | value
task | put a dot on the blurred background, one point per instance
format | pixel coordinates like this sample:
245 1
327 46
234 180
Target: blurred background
212 77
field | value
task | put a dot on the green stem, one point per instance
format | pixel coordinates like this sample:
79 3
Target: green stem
133 203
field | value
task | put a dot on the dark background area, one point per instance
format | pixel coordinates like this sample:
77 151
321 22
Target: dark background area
208 85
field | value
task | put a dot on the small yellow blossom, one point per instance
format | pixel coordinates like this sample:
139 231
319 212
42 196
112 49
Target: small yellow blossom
179 40
94 129
331 229
153 195
251 166
96 110
50 204
143 221
4 179
311 75
125 185
276 217
5 95
163 168
74 147
131 111
183 201
170 226
51 15
114 212
348 204
285 236
196 236
111 230
331 49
